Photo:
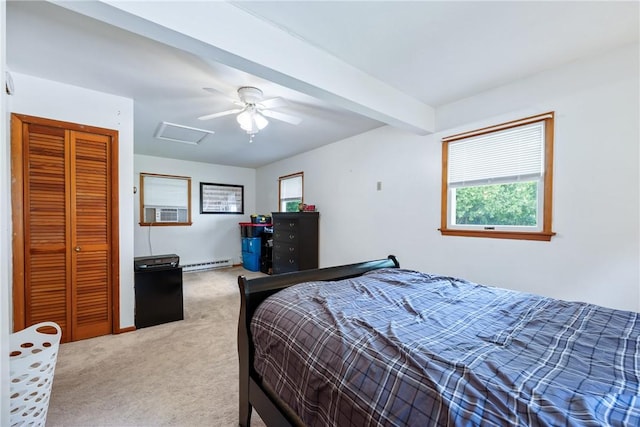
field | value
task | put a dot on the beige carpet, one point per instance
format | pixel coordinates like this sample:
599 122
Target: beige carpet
182 373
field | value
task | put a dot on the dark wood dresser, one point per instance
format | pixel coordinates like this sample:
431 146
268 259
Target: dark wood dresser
295 241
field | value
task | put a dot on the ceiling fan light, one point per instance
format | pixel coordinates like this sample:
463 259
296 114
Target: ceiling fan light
260 121
245 120
252 121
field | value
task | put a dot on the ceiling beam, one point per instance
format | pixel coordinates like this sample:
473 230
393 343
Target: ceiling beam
224 33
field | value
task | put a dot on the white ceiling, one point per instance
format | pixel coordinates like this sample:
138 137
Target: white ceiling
415 55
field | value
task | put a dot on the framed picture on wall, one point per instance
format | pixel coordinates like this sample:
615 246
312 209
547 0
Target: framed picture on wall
221 198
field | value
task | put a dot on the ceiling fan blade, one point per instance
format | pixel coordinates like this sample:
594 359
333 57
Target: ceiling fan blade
288 118
231 98
220 114
273 103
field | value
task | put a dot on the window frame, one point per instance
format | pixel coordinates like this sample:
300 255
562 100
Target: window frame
290 176
157 177
545 233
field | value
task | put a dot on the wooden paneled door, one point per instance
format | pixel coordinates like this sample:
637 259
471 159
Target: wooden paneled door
65 226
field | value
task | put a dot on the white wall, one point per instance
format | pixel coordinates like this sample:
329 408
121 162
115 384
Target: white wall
595 255
212 236
53 100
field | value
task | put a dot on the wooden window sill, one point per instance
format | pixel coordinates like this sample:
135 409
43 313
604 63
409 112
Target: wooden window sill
164 224
493 234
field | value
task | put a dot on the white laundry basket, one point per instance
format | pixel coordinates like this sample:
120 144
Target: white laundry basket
32 362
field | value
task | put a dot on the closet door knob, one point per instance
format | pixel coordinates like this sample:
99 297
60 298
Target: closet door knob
77 248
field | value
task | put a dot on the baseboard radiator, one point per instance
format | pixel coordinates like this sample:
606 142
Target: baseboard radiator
208 265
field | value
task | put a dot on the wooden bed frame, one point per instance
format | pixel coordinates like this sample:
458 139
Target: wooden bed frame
253 394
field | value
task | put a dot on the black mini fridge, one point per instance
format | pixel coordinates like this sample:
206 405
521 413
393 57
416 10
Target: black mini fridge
158 290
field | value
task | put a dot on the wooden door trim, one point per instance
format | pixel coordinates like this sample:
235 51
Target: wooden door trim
18 121
115 232
17 212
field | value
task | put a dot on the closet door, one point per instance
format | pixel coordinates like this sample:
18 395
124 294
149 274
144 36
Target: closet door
90 234
65 226
47 270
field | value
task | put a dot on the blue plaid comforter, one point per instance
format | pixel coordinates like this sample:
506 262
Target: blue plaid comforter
402 348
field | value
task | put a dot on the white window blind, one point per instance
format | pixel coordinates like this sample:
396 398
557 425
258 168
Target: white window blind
291 188
513 154
166 192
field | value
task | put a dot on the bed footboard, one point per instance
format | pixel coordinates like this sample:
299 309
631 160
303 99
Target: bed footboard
252 293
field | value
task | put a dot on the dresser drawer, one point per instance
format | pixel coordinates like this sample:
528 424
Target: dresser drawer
285 249
284 262
285 224
285 236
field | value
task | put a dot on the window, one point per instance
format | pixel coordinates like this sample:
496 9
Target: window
290 192
497 181
165 200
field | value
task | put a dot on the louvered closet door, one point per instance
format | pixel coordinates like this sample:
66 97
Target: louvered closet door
47 266
90 219
65 229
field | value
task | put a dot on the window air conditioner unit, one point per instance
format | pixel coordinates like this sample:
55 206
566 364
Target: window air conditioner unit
167 215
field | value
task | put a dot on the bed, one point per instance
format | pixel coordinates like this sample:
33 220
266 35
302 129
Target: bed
372 344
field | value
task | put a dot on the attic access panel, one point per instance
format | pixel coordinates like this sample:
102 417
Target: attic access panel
180 133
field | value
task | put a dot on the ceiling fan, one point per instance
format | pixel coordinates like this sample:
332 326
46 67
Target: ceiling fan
252 111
